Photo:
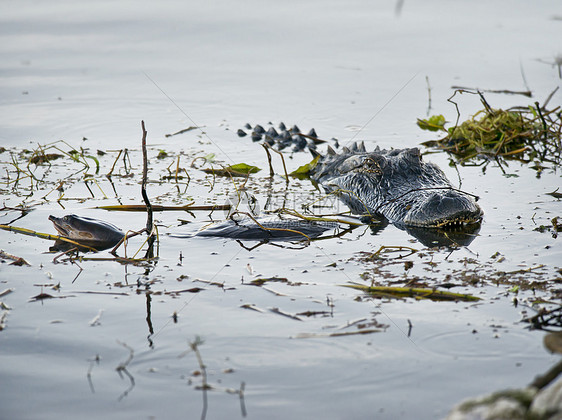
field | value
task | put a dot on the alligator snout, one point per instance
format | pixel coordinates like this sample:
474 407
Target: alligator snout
447 208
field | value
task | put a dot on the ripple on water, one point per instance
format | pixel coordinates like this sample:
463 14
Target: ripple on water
485 343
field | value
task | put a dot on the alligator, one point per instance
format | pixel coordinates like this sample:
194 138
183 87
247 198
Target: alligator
396 184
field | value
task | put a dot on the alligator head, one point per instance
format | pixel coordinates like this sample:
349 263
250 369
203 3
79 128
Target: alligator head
396 184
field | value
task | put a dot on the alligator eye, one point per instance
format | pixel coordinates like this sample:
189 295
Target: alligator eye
371 166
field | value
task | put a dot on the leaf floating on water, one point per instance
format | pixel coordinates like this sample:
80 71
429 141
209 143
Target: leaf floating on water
243 168
415 292
433 123
240 169
514 289
305 169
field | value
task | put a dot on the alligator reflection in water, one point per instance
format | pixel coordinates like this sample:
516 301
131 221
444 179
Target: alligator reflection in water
435 237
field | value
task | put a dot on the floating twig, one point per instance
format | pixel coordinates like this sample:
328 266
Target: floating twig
156 207
16 260
526 93
185 130
392 248
340 334
48 236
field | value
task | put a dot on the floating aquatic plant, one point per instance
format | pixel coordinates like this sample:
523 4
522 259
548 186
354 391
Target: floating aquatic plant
415 292
528 134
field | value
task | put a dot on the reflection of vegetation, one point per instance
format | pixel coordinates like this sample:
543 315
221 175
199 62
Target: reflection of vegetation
205 386
122 371
526 134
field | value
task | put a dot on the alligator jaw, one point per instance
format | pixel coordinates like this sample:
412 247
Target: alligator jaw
458 223
450 209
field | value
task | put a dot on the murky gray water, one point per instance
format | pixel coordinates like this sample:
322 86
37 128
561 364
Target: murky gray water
75 70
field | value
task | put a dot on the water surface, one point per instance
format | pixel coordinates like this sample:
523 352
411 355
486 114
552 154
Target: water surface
89 73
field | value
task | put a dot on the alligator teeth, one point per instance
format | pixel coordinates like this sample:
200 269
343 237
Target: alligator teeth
455 224
331 151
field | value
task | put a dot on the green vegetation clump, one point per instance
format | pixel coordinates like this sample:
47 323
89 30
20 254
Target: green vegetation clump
528 134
